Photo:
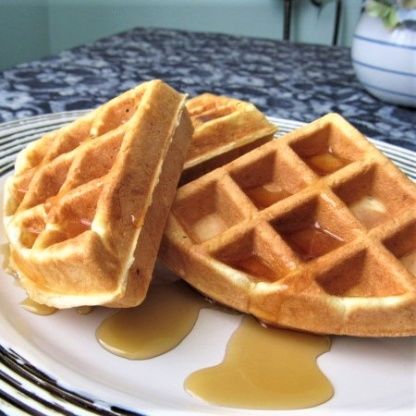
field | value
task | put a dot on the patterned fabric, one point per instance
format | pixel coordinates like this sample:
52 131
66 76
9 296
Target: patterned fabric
294 81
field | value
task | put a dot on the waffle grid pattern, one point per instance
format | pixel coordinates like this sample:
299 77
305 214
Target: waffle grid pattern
224 128
54 175
356 260
82 197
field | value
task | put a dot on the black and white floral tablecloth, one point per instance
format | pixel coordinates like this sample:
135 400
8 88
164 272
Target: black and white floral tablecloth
294 81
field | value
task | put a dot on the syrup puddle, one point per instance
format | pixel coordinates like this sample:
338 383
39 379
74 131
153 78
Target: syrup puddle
37 308
264 368
159 324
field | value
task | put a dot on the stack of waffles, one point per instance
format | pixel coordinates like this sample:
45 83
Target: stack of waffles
315 231
86 207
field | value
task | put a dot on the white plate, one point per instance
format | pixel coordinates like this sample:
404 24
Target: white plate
54 364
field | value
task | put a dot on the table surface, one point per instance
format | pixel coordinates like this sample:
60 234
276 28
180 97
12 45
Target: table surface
287 80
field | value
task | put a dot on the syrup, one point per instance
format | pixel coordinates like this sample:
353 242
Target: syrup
326 163
310 240
37 308
208 226
265 368
267 194
370 211
256 266
159 324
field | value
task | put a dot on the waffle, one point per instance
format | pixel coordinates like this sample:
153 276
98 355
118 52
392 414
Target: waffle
224 129
86 207
315 231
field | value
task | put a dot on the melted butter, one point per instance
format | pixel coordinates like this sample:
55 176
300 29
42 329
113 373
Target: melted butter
265 368
159 324
265 195
326 163
208 226
370 211
37 308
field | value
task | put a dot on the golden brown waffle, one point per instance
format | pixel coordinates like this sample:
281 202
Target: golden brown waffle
315 231
85 210
224 129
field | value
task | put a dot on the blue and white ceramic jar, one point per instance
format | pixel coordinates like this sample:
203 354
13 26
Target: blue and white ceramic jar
385 60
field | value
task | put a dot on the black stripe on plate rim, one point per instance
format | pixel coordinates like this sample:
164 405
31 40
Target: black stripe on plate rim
20 388
27 135
16 363
19 404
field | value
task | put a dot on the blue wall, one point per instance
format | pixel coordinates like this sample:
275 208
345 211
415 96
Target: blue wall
24 31
34 28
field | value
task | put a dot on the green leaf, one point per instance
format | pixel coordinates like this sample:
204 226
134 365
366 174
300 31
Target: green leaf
386 12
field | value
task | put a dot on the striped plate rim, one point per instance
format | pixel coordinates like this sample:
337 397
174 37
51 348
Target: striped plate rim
25 389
